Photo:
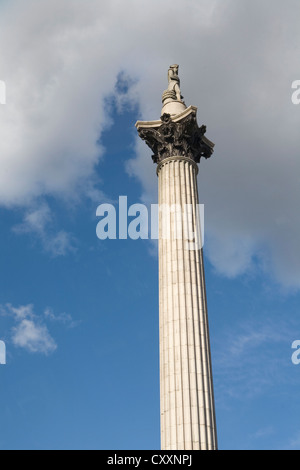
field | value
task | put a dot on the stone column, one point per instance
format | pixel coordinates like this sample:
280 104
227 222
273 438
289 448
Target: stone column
187 398
187 404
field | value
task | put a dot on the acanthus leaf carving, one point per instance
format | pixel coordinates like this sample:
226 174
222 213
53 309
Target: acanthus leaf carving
183 138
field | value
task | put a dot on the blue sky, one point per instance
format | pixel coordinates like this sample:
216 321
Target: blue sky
79 316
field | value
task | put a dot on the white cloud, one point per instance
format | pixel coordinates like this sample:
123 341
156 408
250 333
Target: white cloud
58 73
19 313
30 331
63 318
38 222
253 357
237 62
230 254
33 337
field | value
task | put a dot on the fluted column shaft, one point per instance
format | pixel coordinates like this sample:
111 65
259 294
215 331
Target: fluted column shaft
187 401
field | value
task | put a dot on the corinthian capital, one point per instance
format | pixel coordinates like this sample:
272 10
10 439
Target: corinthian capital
179 136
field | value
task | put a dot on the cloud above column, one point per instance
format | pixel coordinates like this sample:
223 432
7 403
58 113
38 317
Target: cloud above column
61 59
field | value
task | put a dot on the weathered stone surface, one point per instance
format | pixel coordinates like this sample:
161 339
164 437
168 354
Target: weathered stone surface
171 138
187 401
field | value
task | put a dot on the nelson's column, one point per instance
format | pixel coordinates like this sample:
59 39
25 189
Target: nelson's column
186 386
